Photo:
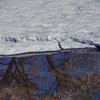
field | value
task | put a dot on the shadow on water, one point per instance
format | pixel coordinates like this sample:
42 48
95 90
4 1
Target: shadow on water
58 76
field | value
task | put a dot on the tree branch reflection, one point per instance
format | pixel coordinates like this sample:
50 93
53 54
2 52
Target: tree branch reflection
57 77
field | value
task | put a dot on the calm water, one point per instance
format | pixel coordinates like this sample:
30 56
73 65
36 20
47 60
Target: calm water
59 76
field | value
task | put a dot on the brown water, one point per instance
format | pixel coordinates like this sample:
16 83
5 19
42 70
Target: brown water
58 76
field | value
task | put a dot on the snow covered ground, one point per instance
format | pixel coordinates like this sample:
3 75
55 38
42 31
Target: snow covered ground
43 25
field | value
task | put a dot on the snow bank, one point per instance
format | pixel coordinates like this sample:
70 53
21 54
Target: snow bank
40 25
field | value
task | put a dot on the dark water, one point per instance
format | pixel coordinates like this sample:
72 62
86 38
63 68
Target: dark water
59 76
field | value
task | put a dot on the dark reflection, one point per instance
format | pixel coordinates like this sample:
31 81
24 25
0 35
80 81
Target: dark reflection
60 76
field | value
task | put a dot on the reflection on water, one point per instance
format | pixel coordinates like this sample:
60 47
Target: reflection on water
60 76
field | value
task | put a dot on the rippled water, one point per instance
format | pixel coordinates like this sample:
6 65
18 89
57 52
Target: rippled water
58 76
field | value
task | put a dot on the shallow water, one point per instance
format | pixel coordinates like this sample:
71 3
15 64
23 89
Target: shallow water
57 76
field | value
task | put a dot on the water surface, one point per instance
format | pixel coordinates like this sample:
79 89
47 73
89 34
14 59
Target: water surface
57 76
